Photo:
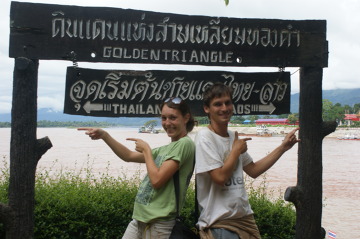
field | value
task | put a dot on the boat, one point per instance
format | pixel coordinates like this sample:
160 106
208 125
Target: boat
349 137
261 131
148 130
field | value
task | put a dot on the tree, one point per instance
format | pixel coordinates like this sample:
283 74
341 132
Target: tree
356 108
150 124
326 109
238 119
332 112
202 120
282 116
253 118
348 109
338 112
293 118
25 152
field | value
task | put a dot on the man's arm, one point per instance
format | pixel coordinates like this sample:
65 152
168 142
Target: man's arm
256 169
222 175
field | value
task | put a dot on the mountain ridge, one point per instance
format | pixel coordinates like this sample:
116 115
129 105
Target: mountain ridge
342 96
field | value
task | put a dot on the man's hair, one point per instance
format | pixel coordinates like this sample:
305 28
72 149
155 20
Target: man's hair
214 91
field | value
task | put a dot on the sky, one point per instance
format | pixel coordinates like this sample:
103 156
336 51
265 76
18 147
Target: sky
343 21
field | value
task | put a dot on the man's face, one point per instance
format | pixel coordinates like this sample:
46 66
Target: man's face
220 109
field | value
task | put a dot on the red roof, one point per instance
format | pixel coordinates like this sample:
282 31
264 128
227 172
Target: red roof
352 117
271 120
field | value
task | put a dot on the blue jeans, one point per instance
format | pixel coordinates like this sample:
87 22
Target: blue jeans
221 233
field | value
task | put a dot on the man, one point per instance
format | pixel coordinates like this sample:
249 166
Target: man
221 158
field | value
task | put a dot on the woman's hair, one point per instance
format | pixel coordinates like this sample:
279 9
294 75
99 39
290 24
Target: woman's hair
179 104
216 90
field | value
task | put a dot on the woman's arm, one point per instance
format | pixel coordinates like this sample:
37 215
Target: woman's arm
119 149
158 175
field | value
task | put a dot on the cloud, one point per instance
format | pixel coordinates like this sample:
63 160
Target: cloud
5 104
56 103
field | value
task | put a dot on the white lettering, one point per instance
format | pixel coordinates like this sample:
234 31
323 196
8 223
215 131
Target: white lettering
242 109
175 56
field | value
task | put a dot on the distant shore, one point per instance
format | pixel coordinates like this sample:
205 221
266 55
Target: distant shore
281 131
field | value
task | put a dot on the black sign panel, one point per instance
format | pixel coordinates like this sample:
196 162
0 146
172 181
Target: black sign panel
118 93
99 34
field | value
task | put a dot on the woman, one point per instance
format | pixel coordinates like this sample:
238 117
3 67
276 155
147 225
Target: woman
155 204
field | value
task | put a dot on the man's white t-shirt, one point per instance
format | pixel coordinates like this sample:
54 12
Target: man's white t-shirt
219 202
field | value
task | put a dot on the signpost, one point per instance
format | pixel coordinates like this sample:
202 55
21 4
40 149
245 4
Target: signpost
117 93
99 34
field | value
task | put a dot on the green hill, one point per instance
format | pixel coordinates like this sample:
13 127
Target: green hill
342 96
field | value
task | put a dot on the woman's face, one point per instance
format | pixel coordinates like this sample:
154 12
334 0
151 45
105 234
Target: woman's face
173 122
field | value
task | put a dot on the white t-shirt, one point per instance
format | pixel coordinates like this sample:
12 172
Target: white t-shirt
219 202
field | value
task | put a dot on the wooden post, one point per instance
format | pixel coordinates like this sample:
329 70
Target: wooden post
25 150
307 195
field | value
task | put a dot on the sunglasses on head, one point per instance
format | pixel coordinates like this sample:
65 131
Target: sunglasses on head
175 100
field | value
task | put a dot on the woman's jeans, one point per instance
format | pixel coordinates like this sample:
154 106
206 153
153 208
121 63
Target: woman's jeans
156 230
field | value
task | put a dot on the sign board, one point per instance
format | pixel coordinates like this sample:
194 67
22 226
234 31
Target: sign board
118 93
101 34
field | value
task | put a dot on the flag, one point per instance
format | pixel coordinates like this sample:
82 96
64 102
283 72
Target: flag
331 234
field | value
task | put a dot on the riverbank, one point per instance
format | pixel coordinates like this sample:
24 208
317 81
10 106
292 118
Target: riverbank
282 131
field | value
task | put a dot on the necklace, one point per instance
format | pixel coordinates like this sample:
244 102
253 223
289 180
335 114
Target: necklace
226 134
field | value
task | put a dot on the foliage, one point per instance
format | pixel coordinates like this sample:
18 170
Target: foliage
275 218
69 205
293 118
188 211
63 124
253 118
356 124
332 112
282 116
356 109
203 120
4 186
238 119
72 206
335 112
75 124
5 124
151 124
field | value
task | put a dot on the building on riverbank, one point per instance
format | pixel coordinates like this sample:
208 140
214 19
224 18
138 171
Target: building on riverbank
350 118
274 122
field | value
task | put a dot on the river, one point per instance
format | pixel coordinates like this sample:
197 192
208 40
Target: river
73 151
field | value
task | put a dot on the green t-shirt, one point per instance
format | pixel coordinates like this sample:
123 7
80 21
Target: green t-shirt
160 204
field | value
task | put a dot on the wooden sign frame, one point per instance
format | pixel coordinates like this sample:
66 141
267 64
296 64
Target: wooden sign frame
35 34
101 34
